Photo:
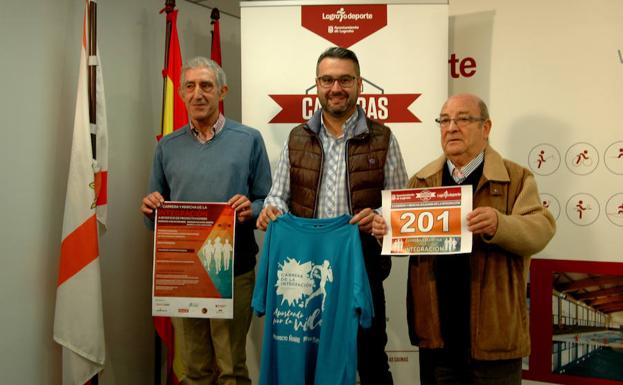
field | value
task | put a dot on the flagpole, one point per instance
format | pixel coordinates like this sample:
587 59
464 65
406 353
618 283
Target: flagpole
215 47
92 52
169 6
92 92
215 15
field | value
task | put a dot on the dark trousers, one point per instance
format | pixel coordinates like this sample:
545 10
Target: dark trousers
372 362
439 367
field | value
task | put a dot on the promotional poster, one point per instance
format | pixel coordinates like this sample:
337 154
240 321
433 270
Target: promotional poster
193 260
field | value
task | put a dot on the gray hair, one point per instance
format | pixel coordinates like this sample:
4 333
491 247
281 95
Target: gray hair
200 61
339 53
484 110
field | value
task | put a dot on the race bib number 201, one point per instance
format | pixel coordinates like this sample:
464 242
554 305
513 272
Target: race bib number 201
427 221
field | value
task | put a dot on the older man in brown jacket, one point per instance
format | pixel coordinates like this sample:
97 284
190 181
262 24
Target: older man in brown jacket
468 313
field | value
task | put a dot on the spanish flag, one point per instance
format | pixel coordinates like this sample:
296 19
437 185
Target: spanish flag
174 113
215 48
174 116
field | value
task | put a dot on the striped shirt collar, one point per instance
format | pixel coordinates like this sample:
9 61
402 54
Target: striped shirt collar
216 128
466 170
349 125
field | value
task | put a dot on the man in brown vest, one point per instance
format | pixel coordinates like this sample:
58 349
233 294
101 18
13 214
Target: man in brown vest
337 163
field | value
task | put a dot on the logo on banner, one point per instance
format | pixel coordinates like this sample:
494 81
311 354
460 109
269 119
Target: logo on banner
344 25
449 194
425 195
382 107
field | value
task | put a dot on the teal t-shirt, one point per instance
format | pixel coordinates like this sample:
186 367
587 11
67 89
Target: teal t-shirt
313 289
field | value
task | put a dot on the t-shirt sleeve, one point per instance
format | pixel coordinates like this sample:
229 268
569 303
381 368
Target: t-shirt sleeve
258 303
362 292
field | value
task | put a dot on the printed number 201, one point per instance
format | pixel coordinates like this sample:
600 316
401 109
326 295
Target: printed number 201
424 222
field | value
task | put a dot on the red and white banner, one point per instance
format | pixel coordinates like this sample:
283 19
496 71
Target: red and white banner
78 322
384 108
403 52
344 25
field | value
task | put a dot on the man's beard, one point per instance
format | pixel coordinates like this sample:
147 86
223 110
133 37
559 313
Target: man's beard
342 109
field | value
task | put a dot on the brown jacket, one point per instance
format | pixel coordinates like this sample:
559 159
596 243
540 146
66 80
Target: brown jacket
499 265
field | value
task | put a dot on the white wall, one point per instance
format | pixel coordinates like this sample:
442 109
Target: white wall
40 48
35 125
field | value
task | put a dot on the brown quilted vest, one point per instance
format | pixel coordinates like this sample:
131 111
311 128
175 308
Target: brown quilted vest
365 168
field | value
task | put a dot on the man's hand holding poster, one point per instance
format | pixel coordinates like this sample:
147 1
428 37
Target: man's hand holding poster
427 220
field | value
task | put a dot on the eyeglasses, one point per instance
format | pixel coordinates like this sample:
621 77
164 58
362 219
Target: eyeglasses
461 121
345 81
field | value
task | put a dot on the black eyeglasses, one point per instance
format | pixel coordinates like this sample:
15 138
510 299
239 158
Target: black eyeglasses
461 121
345 81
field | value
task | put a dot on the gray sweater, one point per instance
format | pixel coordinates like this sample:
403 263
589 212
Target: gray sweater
233 162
